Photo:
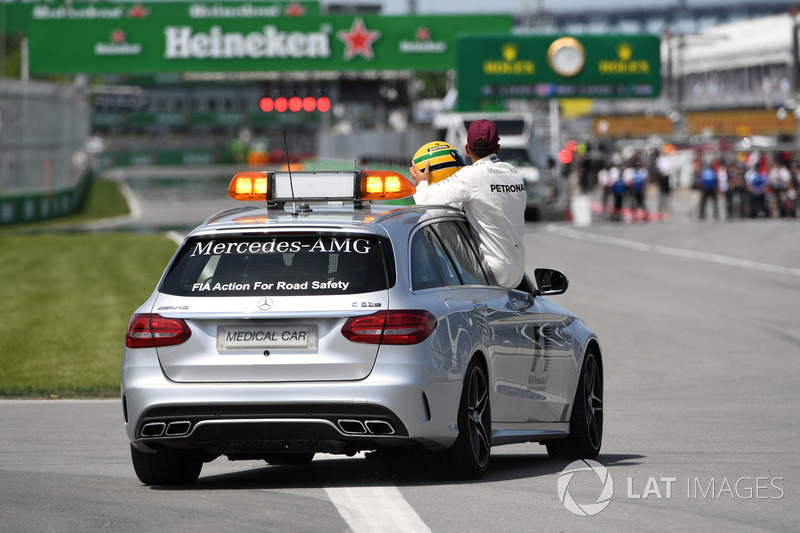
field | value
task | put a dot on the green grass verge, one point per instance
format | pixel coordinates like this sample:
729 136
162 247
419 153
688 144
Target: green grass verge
66 299
103 201
65 302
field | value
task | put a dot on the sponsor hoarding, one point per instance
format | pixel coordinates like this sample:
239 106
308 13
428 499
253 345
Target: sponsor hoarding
741 122
333 43
493 68
20 15
627 126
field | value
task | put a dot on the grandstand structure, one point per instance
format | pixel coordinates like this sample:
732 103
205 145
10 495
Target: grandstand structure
728 70
674 18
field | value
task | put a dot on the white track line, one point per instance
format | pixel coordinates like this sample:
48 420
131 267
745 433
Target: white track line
372 509
175 237
675 252
133 201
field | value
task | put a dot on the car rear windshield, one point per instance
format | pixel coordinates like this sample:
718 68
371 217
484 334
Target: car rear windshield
296 264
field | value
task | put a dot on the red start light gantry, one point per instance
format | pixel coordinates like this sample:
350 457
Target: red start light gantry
295 104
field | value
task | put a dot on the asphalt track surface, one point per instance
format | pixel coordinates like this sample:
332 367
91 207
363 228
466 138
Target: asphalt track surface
699 324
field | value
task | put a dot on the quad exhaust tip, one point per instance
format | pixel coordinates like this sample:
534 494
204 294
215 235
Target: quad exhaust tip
154 429
352 427
177 428
368 427
379 427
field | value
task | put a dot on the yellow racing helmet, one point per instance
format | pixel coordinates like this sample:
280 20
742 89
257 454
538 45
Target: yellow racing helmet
444 159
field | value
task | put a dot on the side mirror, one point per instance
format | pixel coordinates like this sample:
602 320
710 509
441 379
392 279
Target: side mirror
550 281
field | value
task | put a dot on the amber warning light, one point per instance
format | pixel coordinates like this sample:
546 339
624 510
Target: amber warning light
350 186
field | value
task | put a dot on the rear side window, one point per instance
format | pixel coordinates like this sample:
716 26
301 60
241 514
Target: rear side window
461 253
424 274
283 264
446 267
442 254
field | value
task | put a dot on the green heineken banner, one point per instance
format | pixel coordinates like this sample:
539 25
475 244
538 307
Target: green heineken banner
499 67
20 15
337 43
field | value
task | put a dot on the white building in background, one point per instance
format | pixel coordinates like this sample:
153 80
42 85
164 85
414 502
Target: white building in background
732 80
744 64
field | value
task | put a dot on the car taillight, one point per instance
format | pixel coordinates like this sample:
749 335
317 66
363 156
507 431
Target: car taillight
390 327
150 330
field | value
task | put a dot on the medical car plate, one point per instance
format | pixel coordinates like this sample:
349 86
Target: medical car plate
272 336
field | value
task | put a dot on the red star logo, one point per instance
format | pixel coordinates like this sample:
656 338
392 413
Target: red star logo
118 36
138 11
358 41
423 34
294 10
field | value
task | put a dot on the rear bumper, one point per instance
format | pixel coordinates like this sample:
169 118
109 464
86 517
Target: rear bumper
399 403
258 428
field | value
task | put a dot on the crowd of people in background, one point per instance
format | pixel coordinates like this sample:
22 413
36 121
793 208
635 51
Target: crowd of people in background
754 186
730 185
624 183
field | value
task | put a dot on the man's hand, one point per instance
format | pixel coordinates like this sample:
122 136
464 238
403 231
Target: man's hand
421 175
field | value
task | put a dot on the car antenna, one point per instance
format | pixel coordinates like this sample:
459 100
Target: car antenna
289 169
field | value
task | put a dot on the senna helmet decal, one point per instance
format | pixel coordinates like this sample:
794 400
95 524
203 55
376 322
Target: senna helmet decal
444 159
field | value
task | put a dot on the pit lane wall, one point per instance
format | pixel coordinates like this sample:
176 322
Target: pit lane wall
44 168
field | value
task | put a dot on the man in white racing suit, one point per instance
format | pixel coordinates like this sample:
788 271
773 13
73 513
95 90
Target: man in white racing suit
493 197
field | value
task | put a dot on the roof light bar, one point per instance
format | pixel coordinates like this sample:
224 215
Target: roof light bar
353 186
385 185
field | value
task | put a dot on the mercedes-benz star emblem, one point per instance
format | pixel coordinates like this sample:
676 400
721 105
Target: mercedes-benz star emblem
265 304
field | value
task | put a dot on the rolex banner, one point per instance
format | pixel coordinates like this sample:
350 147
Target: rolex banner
494 68
335 43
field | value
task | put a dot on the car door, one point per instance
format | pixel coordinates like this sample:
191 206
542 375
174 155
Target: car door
547 348
453 334
489 309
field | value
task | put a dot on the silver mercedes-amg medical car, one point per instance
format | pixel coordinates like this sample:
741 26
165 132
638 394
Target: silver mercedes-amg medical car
325 320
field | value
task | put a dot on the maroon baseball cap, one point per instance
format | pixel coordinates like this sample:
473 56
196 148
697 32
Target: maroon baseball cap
482 135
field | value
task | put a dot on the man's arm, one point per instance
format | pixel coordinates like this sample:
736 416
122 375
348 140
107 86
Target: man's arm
452 190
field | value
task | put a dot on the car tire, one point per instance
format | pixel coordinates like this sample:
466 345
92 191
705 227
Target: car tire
167 466
468 457
586 422
289 458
